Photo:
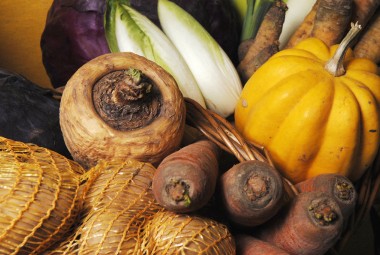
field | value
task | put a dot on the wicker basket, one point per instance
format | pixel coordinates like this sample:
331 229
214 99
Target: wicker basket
223 133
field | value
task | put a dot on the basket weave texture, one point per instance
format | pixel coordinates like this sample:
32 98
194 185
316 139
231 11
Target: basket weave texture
223 133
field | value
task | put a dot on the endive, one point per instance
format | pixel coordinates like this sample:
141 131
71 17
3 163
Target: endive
214 72
129 31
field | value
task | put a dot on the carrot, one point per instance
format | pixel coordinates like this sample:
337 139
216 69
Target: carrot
304 29
336 185
364 10
267 35
252 192
310 225
368 45
243 48
260 58
249 245
332 20
186 179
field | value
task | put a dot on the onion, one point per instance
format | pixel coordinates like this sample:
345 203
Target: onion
118 201
172 233
39 197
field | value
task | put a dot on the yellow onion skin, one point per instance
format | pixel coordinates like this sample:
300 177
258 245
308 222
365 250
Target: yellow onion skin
39 197
89 138
186 234
118 201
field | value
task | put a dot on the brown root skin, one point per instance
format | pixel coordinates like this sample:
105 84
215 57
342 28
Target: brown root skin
267 38
332 20
252 192
248 245
304 29
364 10
310 225
186 179
368 44
336 185
90 138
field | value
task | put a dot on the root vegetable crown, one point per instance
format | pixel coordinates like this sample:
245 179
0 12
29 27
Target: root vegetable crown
345 191
257 188
178 191
322 212
126 99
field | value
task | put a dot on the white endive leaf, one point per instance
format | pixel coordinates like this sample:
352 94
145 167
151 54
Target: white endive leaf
212 68
129 31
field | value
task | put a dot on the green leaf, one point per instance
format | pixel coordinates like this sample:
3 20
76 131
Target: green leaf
256 10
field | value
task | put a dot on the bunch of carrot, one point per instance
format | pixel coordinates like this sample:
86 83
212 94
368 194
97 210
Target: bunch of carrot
263 212
328 20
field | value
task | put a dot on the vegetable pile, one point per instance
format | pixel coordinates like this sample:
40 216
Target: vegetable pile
193 127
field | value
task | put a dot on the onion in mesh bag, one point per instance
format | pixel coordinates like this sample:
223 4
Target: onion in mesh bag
117 202
39 197
186 234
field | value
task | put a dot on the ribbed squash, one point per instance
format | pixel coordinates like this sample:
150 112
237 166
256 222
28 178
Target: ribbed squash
313 110
39 197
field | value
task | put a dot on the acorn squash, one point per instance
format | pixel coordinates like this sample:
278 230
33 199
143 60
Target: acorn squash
315 109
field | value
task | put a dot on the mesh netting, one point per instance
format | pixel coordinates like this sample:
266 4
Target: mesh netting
39 195
118 201
172 233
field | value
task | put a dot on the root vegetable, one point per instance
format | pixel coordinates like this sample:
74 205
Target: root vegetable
119 106
253 192
39 197
267 35
335 185
310 225
186 179
249 245
304 29
332 20
363 10
368 45
172 233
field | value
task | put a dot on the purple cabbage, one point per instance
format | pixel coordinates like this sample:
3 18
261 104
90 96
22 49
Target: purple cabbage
73 35
74 31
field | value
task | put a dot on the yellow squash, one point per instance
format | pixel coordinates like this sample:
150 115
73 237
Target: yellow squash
313 110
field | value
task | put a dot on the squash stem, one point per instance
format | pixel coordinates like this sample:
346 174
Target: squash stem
335 64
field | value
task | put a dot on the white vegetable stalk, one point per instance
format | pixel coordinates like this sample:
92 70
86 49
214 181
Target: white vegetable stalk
129 31
213 70
296 13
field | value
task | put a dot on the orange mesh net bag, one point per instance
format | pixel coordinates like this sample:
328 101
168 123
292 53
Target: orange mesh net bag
39 197
117 202
172 233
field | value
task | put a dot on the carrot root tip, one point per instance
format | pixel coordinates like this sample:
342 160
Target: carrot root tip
178 191
323 213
